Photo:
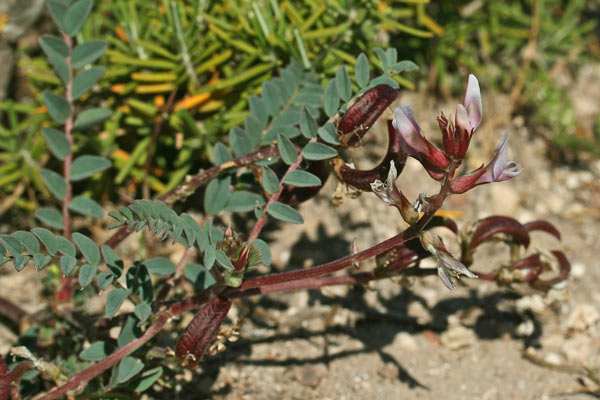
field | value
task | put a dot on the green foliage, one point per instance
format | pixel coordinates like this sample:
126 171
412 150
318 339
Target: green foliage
491 39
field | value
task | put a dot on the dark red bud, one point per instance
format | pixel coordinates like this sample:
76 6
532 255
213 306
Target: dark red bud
353 125
362 179
242 259
542 226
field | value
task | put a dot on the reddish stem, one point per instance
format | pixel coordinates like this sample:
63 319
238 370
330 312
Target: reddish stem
69 136
81 379
262 220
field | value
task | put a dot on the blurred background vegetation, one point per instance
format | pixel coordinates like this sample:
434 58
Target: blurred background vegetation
179 74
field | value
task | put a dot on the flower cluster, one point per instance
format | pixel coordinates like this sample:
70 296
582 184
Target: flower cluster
456 138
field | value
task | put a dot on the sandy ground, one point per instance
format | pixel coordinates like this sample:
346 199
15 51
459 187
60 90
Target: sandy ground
415 339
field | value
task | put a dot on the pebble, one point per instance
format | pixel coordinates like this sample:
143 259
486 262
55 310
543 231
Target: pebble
534 303
577 349
553 358
583 317
406 341
526 328
577 270
457 337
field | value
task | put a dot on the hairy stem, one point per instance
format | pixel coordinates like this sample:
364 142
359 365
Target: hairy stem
69 136
78 381
190 184
261 221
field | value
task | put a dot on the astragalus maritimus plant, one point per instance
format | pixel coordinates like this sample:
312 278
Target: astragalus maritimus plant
291 141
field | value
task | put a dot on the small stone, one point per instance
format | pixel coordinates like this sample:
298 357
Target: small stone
490 394
457 337
389 371
431 337
582 317
406 341
308 376
419 312
526 328
534 303
577 270
553 358
577 349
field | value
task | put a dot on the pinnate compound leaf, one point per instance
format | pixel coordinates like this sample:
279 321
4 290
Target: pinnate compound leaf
160 266
308 125
57 142
84 81
331 99
86 166
318 151
243 201
50 216
86 206
216 195
128 368
97 351
76 15
58 107
86 274
87 52
362 70
270 182
301 178
88 248
201 330
284 213
55 182
114 300
91 117
342 81
287 150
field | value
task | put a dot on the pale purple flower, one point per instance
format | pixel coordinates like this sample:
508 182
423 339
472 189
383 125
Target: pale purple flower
416 145
499 169
472 102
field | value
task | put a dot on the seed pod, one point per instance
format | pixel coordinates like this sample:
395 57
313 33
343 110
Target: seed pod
353 125
362 179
